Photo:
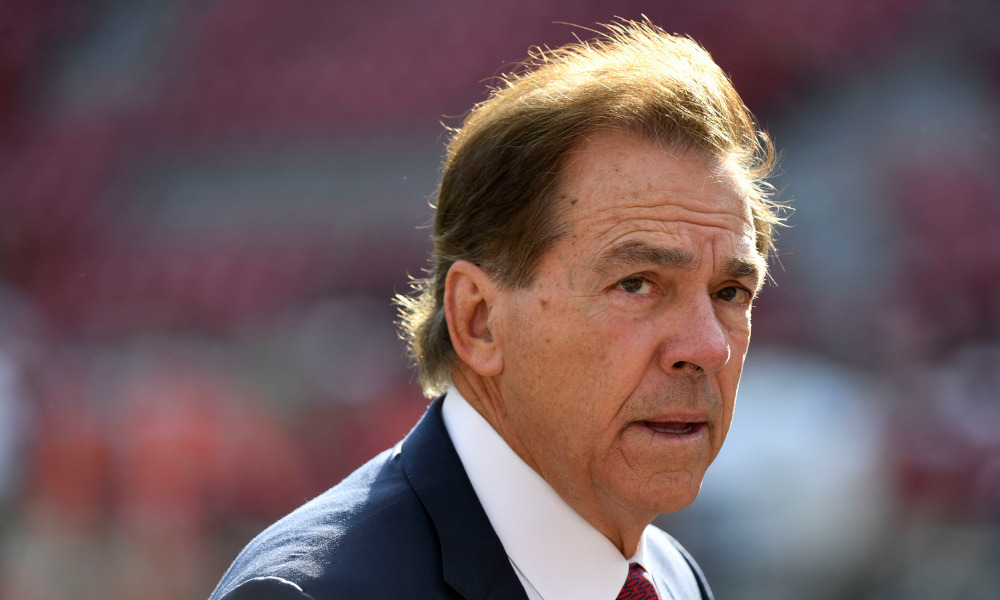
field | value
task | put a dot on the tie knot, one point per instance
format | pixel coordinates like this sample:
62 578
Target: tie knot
638 585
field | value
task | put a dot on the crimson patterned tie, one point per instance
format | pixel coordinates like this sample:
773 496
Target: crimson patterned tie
638 585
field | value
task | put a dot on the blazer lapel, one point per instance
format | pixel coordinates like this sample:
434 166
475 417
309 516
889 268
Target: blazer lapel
474 561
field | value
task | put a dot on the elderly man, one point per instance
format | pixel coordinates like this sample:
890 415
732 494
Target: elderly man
602 229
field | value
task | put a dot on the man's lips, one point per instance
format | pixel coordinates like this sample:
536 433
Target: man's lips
675 427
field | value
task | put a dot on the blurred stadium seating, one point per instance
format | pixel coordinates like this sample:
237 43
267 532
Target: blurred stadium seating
205 208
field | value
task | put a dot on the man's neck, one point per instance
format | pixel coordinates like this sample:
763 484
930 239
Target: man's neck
624 529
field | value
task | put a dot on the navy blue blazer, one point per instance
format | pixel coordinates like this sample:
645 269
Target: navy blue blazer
406 525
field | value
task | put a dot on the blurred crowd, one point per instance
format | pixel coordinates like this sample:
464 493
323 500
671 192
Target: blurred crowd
206 208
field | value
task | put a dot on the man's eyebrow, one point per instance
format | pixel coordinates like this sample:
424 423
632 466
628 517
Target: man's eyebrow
641 254
747 267
637 254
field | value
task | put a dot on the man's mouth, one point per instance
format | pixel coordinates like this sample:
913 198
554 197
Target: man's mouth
673 427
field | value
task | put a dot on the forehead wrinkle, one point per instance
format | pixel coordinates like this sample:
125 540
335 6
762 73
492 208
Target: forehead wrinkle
636 253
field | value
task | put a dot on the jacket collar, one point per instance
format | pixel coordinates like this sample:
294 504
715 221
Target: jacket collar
474 561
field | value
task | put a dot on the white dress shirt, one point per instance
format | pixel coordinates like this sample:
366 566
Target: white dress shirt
555 552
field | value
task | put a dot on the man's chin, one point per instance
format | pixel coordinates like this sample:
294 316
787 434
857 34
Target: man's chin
668 496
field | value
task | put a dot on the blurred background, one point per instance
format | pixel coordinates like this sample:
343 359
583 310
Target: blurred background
206 206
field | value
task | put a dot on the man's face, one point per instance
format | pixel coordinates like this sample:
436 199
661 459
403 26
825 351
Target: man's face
622 359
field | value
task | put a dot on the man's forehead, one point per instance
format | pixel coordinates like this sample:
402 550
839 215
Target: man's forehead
636 201
617 160
603 145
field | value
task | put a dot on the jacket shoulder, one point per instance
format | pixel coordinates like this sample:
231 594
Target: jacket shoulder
369 531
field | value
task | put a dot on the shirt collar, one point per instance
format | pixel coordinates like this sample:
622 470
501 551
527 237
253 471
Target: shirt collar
550 544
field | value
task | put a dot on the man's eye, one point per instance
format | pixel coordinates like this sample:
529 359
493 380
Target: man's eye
633 285
733 294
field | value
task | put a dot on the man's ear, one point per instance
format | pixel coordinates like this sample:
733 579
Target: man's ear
469 296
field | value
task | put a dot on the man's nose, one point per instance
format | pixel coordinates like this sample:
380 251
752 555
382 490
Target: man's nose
696 340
